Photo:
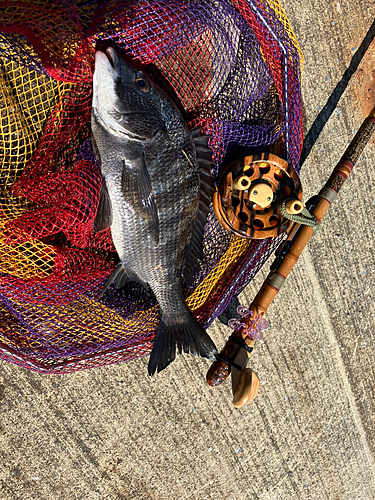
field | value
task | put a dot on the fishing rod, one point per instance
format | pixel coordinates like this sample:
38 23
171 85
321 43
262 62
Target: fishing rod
235 353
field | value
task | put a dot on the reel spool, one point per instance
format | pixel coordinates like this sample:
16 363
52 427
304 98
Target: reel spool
249 192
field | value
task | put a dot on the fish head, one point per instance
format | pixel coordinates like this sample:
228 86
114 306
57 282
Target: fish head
125 102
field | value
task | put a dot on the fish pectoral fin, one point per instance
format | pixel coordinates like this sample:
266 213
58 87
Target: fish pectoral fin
137 181
103 218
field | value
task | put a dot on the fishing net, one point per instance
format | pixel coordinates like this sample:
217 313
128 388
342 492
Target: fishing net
233 68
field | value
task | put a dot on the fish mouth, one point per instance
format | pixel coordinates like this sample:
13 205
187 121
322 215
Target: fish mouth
111 56
107 61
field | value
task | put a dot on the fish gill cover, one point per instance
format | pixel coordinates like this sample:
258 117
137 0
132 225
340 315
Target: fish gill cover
232 67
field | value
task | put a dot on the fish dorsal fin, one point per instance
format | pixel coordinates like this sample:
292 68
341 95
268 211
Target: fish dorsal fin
136 180
194 251
103 218
204 155
202 141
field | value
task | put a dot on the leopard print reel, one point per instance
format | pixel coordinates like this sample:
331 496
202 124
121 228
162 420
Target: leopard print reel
249 192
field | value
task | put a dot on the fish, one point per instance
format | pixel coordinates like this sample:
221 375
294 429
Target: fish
155 193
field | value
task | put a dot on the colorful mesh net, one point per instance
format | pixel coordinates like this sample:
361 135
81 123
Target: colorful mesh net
233 67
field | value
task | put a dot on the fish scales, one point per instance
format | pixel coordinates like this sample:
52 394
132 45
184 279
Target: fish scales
150 196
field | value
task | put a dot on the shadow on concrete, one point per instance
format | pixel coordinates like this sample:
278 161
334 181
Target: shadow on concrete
334 98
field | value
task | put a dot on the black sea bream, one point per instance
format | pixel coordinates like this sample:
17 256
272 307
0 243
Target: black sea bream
153 196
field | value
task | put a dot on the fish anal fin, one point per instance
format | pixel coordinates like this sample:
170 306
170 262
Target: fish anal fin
118 278
103 218
121 277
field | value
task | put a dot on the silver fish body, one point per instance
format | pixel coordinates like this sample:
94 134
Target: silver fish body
150 197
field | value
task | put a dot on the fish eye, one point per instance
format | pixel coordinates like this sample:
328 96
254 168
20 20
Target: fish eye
142 84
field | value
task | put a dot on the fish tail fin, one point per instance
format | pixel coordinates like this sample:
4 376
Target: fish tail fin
189 337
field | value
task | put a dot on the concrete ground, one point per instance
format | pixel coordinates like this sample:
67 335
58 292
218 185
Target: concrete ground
115 434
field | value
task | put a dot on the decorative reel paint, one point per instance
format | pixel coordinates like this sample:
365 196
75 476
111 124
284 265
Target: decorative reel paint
249 192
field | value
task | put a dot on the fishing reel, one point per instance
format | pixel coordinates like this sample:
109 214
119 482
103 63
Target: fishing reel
249 193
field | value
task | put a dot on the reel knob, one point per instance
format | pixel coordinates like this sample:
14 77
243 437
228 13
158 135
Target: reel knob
242 183
249 192
294 207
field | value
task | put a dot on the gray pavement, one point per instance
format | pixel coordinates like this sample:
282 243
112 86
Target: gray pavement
113 433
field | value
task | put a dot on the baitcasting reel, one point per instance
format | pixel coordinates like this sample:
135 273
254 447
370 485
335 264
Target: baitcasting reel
249 192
